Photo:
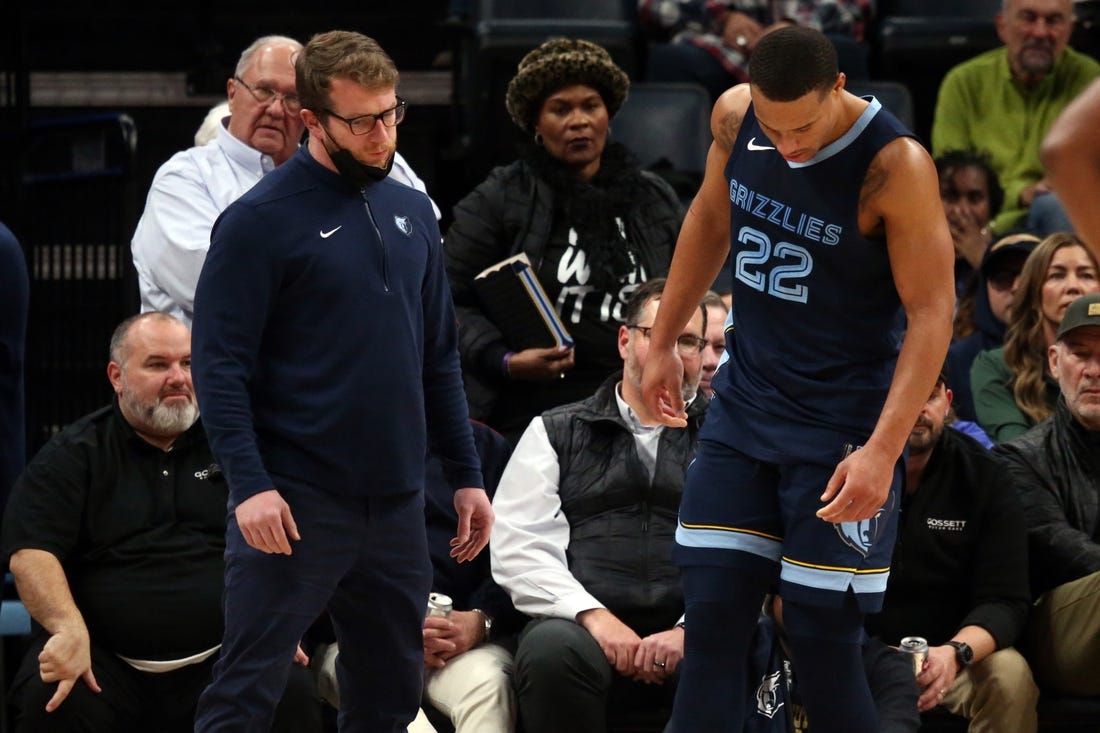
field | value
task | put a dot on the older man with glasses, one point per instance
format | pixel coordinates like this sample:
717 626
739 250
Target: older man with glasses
586 514
189 192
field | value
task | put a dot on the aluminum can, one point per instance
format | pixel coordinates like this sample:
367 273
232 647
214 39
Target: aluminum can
917 648
440 605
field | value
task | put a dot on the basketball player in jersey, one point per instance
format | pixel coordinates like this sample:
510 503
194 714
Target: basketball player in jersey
834 217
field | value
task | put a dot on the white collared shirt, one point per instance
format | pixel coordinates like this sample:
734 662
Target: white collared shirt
188 193
530 533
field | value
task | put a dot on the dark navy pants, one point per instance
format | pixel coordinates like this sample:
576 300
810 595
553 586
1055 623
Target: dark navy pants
366 560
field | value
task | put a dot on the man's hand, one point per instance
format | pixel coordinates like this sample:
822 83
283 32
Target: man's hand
1027 196
448 637
662 388
658 655
937 678
266 522
859 486
618 641
438 644
475 522
67 657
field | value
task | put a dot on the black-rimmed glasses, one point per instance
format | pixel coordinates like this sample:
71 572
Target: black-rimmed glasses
363 124
264 95
687 344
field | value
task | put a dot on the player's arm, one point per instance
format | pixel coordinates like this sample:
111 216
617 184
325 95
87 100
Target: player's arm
701 248
1071 155
903 191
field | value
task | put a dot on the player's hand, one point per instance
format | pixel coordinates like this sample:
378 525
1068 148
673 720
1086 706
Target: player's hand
662 388
66 658
859 486
618 641
475 522
300 656
658 655
540 365
937 677
266 522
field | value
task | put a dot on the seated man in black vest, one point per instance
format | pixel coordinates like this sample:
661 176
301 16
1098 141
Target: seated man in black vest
115 533
586 513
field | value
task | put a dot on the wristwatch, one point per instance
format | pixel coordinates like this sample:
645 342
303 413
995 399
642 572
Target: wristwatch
964 655
487 620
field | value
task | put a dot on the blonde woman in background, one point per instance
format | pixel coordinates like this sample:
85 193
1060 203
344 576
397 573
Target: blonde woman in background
1013 389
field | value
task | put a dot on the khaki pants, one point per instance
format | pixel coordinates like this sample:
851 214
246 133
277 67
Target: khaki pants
474 690
996 695
1063 639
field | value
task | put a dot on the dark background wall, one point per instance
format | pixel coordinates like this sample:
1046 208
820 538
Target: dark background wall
94 97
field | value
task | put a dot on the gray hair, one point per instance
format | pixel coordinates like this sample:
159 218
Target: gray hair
118 350
1006 3
248 53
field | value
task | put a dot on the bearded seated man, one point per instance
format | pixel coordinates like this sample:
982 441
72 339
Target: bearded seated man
115 534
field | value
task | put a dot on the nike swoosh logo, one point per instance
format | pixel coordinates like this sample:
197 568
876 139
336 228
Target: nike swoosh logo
329 233
753 146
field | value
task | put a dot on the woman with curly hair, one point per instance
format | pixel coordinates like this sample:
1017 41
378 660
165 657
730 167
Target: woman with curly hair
1013 389
592 223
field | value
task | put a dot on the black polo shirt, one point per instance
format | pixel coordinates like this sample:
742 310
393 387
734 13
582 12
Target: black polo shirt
139 531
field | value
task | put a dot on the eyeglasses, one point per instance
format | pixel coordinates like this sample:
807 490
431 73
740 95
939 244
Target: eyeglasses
687 344
265 96
363 124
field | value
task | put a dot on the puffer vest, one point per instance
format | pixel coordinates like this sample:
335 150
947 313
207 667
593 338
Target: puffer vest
621 525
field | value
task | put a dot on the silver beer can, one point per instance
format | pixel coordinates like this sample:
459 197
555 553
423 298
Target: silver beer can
440 605
917 648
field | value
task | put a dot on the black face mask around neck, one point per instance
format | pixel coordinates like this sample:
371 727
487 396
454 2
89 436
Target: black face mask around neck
358 174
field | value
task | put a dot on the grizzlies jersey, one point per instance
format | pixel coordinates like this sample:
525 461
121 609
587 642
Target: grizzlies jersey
816 316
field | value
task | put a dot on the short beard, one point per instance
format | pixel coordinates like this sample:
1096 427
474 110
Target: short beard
162 419
924 445
1028 63
1087 415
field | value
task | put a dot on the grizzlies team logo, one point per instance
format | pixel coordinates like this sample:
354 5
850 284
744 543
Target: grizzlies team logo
861 536
767 695
403 224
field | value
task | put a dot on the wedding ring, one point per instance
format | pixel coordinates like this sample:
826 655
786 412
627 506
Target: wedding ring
943 692
659 665
741 40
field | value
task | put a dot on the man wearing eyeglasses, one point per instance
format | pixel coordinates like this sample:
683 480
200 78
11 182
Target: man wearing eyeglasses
586 513
325 355
262 131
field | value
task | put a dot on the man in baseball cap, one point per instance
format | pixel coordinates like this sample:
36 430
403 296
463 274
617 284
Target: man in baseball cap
1055 470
